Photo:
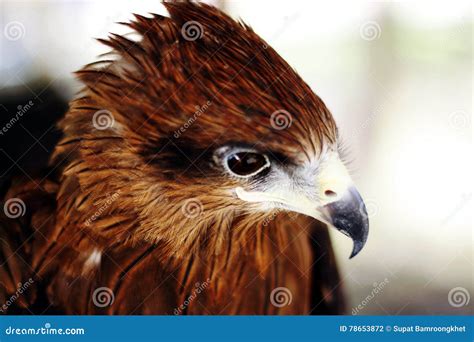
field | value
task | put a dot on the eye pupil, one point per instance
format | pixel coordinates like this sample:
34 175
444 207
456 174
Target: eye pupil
246 163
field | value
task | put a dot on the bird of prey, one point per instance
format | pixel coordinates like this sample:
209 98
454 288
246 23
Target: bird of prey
196 174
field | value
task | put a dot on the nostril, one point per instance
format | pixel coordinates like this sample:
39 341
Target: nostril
330 193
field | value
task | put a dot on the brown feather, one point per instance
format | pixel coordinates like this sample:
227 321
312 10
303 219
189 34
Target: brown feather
121 190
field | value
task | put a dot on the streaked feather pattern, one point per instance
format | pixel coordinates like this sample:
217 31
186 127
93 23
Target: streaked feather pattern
112 216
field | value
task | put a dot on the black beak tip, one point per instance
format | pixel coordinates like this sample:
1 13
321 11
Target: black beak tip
360 238
358 245
349 215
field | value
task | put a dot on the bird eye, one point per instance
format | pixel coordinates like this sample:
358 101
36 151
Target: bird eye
246 164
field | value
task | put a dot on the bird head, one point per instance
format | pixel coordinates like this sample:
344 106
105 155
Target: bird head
201 127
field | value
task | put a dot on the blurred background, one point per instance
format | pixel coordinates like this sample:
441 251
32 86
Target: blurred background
397 78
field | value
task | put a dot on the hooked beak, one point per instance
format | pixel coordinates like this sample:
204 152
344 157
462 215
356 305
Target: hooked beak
340 204
349 216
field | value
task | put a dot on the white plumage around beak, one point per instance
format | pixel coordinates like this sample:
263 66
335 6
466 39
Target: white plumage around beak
329 196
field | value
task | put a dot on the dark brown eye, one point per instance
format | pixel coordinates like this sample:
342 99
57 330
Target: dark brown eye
246 164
